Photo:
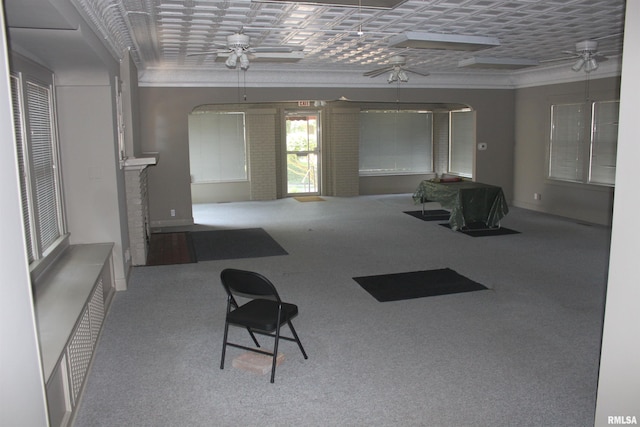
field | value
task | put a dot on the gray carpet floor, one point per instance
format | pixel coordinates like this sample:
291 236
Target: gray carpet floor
524 353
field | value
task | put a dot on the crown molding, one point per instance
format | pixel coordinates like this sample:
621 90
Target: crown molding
271 75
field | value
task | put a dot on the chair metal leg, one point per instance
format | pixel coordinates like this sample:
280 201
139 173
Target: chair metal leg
224 344
253 337
275 354
295 335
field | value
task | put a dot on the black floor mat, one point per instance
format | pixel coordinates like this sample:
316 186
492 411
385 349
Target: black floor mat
417 284
430 215
231 244
481 230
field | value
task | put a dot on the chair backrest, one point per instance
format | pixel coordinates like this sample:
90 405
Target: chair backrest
248 284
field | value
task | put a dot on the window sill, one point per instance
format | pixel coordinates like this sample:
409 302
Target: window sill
602 188
388 174
39 267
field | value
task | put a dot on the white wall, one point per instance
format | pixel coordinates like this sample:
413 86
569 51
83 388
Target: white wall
22 398
619 383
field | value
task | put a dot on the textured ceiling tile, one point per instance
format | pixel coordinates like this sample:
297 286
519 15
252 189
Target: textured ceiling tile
170 29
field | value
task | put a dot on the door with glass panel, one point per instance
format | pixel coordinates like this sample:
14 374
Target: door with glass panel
302 144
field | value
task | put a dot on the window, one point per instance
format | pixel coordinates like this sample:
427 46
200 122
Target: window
38 165
396 142
461 142
604 142
583 142
217 149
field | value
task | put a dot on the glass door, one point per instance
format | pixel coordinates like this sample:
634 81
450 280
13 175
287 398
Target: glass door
303 152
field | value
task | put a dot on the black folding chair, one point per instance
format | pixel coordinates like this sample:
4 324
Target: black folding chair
263 314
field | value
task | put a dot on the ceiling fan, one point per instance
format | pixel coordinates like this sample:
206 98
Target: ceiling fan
239 49
586 55
397 70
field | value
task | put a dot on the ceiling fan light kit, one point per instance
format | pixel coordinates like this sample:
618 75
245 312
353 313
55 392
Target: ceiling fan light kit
398 75
586 51
420 40
398 72
232 60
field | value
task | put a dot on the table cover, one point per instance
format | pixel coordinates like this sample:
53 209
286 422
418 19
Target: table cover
468 201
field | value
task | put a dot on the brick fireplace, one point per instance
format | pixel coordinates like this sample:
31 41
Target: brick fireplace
138 208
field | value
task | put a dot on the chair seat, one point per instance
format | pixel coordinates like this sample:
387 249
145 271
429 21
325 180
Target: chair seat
262 314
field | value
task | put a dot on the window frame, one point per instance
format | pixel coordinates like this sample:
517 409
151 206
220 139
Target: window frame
195 144
469 145
429 163
595 132
40 253
583 141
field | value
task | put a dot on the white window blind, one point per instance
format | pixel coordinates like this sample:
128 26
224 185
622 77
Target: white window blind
39 107
217 148
566 157
604 138
21 149
462 142
583 142
396 142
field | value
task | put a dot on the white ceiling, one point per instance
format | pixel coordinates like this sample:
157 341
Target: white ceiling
162 34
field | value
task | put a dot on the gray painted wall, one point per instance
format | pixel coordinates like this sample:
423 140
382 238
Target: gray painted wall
164 128
583 202
130 110
93 182
513 123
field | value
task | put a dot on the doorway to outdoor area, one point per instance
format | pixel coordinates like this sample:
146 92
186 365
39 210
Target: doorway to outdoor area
302 143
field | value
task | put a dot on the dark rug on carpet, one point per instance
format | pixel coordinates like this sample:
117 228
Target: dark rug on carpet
417 284
170 248
481 230
231 244
430 215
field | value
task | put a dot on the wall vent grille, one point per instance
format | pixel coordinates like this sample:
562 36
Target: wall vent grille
96 312
79 354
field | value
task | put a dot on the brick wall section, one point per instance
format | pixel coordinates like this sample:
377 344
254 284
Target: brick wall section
261 130
344 143
137 214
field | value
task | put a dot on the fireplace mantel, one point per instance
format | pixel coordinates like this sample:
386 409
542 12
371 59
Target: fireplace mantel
139 163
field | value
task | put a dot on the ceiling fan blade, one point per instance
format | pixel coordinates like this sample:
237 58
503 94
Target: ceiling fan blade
568 58
275 49
376 73
420 73
209 52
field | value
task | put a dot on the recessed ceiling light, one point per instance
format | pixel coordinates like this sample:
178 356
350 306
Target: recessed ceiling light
442 41
497 63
